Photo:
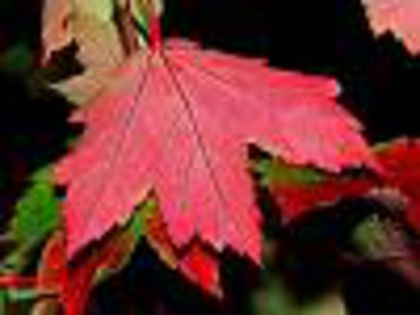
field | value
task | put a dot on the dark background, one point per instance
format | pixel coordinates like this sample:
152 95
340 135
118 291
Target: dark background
379 79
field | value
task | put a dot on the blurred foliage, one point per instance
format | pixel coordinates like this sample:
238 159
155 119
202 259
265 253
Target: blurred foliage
18 58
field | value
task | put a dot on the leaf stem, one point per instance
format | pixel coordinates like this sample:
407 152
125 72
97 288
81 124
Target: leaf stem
155 33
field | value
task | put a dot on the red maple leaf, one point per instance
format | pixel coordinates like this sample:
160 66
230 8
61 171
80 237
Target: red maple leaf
402 17
298 200
178 120
400 164
72 283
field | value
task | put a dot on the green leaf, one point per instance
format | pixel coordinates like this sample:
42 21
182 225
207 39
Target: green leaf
331 304
139 14
139 11
3 300
17 58
36 216
37 212
279 173
274 299
21 295
377 238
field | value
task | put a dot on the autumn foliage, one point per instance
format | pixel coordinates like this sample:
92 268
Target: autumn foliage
165 156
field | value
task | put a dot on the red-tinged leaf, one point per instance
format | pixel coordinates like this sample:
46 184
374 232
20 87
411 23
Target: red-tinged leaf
198 264
159 239
16 281
400 162
71 286
72 283
201 267
296 201
401 159
52 271
299 197
402 17
178 120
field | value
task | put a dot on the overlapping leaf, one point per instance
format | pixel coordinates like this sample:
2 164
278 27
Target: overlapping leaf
89 24
104 32
197 263
72 283
402 17
400 161
298 190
